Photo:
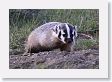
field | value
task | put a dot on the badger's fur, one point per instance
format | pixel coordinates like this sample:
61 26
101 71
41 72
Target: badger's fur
52 35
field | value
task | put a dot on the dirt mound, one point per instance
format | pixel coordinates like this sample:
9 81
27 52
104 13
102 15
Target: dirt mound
83 59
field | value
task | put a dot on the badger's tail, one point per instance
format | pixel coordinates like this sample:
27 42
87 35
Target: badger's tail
27 49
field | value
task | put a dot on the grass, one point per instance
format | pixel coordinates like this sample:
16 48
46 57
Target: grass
18 35
83 44
23 21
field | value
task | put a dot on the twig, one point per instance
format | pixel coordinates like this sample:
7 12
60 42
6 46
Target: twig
81 21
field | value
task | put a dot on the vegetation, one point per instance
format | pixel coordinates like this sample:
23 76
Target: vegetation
23 21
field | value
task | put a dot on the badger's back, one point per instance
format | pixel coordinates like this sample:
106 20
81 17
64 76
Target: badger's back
46 26
42 38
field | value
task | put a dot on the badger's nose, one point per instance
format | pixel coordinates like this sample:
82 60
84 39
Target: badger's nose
69 40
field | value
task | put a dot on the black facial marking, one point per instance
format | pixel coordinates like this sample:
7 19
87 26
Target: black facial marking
74 33
59 27
56 31
71 32
71 27
59 36
65 35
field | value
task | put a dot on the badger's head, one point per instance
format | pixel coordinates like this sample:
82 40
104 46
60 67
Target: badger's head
65 32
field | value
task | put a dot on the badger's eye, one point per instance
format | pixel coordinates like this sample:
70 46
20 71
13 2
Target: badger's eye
72 35
75 34
64 35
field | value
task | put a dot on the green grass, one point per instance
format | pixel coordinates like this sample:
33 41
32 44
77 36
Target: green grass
85 44
18 36
23 21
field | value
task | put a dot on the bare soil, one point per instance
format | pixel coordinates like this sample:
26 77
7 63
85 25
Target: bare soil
82 59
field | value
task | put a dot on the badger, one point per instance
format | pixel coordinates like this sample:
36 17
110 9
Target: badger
52 35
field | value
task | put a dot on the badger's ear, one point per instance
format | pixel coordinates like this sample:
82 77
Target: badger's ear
55 29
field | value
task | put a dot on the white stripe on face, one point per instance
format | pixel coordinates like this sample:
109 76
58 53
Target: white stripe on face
62 38
68 31
73 34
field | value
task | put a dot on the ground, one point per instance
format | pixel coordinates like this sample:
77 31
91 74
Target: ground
83 59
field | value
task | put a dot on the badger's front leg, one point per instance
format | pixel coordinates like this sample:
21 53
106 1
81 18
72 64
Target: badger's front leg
68 47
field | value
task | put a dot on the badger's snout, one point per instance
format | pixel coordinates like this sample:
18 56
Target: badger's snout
68 40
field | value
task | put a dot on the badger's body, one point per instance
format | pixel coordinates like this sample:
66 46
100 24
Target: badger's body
48 37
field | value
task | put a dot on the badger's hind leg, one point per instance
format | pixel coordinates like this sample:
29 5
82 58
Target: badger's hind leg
28 51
